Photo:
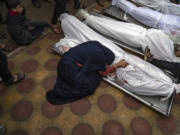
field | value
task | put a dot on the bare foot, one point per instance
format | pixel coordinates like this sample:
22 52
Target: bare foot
56 29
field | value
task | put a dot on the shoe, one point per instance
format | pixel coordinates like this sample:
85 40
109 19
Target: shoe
36 3
20 76
2 130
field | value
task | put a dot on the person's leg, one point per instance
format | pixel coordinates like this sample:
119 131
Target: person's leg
171 66
2 35
177 1
36 32
36 3
164 64
4 71
59 8
76 4
1 20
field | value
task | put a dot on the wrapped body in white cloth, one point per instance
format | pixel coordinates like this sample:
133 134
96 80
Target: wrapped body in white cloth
164 6
152 18
159 43
139 76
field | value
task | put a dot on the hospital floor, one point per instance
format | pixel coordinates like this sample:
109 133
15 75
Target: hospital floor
25 111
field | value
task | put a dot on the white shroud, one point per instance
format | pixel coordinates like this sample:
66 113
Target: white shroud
152 18
164 6
141 77
161 46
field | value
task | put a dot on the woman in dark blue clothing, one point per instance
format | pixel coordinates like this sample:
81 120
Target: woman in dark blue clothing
79 72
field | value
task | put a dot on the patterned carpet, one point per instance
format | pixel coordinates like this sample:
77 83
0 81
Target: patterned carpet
25 111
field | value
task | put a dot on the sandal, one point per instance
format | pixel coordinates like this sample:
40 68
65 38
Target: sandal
55 29
7 48
20 76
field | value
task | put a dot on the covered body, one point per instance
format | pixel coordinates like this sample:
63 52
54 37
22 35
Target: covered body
161 46
156 82
152 18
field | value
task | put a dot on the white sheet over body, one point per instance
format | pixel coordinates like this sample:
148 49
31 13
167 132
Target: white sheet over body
161 46
164 6
152 18
156 82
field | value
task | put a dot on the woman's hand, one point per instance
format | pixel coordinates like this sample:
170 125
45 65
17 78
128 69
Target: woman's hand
121 64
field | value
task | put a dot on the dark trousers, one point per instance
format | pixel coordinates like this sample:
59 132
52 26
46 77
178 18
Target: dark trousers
36 32
4 71
171 66
76 3
59 9
1 18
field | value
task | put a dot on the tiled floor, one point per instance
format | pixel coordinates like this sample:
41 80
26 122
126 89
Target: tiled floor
25 111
